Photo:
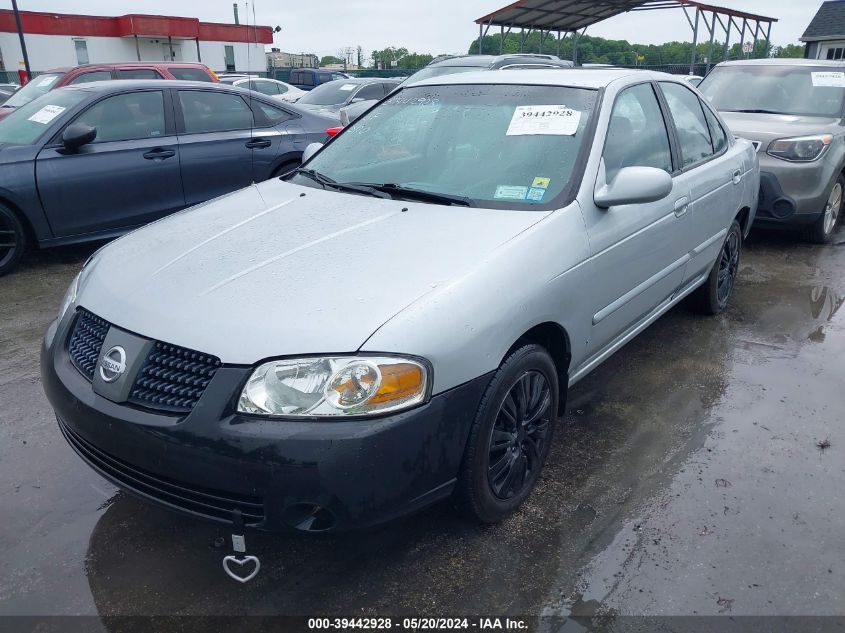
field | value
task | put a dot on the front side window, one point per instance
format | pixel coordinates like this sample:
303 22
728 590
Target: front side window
214 112
34 89
636 135
499 146
126 117
793 90
688 115
31 121
95 75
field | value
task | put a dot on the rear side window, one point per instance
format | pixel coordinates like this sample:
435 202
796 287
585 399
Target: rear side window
717 132
687 113
370 92
126 117
137 73
636 136
274 115
94 75
214 112
190 74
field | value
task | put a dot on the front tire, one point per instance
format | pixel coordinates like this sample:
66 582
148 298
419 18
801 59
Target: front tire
12 240
712 297
823 229
510 437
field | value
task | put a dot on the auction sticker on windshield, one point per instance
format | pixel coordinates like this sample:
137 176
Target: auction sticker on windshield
47 114
555 120
510 192
829 80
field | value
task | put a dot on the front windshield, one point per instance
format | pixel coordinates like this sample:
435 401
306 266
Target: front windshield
30 122
440 71
33 90
796 90
332 93
499 146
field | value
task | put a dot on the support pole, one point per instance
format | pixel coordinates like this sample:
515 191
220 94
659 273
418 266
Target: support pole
480 38
712 37
522 39
137 49
21 38
694 42
502 40
742 36
199 55
768 37
558 42
727 46
169 48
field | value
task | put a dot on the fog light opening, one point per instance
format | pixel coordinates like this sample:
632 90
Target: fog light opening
308 517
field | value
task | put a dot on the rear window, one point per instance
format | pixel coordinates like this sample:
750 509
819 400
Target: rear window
190 74
34 89
333 93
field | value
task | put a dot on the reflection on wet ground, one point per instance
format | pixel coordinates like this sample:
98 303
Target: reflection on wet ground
686 479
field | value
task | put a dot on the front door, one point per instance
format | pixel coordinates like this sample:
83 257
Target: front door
215 143
637 250
128 176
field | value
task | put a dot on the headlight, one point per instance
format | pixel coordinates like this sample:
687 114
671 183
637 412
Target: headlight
803 149
336 386
70 297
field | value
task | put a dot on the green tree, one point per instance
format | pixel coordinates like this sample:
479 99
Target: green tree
330 59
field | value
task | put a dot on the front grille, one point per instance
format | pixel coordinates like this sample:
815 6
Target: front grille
208 503
86 340
173 378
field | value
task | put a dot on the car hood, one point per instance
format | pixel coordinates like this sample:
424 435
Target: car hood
765 128
279 269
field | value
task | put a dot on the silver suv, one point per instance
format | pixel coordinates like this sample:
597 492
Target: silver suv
791 109
400 319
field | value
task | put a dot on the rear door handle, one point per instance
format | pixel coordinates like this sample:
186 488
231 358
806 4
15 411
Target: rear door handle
737 176
159 153
259 143
681 206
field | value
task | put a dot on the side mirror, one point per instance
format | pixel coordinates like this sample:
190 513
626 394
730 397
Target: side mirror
78 134
633 185
309 152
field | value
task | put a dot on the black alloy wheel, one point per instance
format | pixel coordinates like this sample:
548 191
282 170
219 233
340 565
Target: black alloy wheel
12 240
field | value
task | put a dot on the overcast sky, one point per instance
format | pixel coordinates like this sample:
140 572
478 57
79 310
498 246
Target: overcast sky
427 26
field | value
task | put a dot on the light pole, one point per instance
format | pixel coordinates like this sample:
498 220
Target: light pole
20 36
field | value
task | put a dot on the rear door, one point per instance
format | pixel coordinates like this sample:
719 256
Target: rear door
216 144
128 176
711 169
278 132
638 250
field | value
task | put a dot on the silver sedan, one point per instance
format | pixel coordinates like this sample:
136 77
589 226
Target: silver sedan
400 320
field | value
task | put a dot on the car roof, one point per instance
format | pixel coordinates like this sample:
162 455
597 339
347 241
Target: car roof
483 61
784 61
571 77
67 69
132 84
364 80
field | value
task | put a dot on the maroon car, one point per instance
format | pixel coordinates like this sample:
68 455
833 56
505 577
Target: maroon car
59 77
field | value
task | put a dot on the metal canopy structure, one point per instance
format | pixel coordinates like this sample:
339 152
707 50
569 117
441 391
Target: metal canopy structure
575 16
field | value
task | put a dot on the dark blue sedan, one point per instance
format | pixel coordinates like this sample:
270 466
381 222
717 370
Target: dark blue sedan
93 161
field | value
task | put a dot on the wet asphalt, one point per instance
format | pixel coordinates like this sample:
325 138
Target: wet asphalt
699 471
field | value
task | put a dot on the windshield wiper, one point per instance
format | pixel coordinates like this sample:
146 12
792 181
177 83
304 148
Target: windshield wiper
418 194
327 182
755 111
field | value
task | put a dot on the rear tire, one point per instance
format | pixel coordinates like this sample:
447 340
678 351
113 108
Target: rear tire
713 295
12 240
823 229
510 437
285 168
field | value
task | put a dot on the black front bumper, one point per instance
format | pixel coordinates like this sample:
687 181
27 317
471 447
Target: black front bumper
776 209
280 474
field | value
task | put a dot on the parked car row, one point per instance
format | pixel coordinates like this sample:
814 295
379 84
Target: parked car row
399 320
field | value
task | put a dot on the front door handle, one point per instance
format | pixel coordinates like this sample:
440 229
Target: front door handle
159 153
259 143
737 176
681 206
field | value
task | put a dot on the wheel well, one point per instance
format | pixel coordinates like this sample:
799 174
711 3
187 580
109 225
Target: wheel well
32 240
742 217
555 340
285 160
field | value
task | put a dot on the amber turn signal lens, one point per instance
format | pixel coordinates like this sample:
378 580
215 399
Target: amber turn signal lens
398 382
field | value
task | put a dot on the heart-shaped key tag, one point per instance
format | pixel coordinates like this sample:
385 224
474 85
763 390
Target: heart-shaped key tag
229 560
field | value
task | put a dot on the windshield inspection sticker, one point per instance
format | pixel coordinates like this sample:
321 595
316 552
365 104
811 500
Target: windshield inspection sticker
47 114
510 192
828 80
539 181
554 120
347 87
536 194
